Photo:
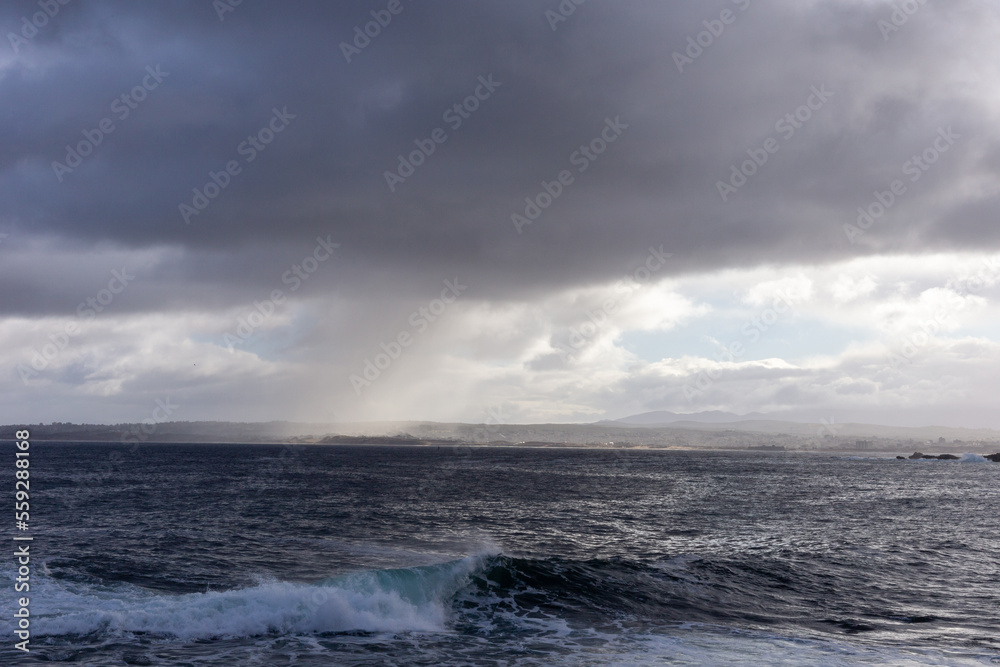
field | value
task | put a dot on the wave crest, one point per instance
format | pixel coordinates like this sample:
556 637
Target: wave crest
403 600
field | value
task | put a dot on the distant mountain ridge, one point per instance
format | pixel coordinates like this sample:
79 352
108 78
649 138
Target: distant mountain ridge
666 417
713 429
873 416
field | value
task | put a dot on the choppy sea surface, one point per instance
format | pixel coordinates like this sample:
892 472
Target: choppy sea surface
330 555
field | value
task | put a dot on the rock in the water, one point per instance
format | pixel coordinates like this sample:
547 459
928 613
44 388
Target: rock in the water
941 457
993 457
901 458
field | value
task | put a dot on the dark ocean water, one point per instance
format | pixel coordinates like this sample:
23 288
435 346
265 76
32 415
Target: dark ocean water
269 555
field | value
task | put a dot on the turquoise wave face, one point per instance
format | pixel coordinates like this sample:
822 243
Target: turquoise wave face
414 599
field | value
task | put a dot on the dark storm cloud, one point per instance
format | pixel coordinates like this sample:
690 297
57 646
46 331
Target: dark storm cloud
323 174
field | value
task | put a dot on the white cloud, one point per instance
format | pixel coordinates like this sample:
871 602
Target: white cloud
797 288
561 356
848 288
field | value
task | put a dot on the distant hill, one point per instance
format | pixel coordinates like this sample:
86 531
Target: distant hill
666 417
796 423
714 432
874 416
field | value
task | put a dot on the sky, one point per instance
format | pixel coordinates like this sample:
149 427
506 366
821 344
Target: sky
501 212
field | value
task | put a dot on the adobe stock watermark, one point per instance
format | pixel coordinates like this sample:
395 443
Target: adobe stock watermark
223 7
141 432
121 107
562 12
295 277
288 460
249 149
915 168
786 127
581 158
454 115
134 435
900 16
828 426
751 331
419 321
622 458
38 20
697 44
987 275
598 318
908 346
490 429
457 457
88 309
363 36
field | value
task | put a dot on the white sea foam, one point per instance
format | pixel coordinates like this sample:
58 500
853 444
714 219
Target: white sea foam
405 600
417 600
703 645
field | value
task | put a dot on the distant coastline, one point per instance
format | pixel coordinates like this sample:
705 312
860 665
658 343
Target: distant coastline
746 436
